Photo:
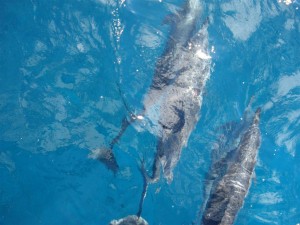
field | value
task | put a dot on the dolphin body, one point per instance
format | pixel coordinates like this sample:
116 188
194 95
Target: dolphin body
174 100
172 104
234 179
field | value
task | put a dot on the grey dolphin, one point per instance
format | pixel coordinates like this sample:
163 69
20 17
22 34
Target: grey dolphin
229 190
174 100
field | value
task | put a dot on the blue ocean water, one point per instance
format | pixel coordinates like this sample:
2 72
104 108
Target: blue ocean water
66 69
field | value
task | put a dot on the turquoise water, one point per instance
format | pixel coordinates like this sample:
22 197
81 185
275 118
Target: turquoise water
67 66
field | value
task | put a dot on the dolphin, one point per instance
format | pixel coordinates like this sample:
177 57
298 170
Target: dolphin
172 104
174 100
234 179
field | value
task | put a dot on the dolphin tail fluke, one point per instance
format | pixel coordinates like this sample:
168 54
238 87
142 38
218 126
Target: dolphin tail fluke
107 157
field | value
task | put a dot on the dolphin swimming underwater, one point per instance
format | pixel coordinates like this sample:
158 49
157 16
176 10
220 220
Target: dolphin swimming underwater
174 99
171 107
230 188
173 103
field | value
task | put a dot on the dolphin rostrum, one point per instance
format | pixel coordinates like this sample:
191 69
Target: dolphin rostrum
230 188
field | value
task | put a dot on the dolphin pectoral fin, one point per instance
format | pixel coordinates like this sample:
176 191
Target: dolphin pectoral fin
107 157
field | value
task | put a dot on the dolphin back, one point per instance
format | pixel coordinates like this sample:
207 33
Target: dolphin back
229 191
